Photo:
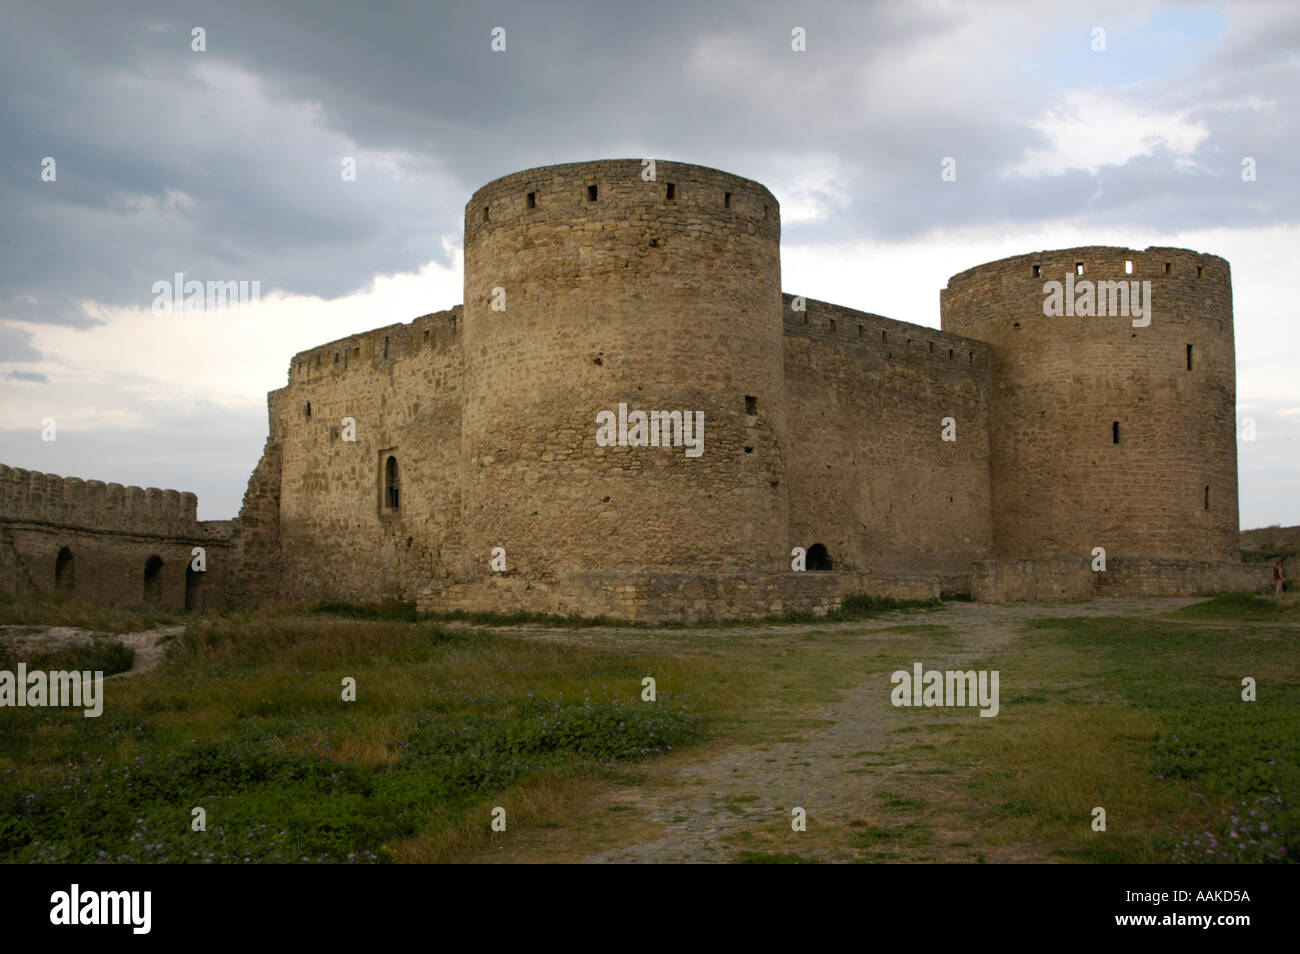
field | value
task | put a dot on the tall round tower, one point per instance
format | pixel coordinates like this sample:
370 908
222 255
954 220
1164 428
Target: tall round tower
592 294
1111 426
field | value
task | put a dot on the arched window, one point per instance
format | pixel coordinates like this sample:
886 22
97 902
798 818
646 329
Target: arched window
819 557
153 580
63 568
391 484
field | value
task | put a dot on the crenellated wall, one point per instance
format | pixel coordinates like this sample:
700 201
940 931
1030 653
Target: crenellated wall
96 541
871 477
991 456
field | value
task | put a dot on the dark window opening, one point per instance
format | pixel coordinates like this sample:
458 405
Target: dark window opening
1038 271
532 200
486 213
931 347
308 410
1189 357
336 357
1114 432
672 191
193 589
1016 325
832 324
949 354
153 580
970 357
1199 271
818 557
859 331
385 347
751 404
391 484
63 571
1207 498
726 200
884 337
591 193
749 450
1169 268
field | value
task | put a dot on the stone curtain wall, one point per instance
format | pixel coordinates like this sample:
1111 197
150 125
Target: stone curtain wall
1004 581
110 531
1061 486
321 527
870 476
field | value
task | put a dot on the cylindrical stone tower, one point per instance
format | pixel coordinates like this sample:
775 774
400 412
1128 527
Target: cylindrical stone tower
1108 430
587 287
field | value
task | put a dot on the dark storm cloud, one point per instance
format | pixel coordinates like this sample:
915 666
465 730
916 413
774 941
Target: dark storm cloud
225 165
33 376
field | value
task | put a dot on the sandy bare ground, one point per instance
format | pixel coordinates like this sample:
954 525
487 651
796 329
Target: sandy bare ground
149 644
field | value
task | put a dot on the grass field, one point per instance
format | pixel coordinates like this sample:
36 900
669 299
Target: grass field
1140 714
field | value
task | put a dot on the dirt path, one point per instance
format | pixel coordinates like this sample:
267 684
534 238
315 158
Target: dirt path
835 772
149 644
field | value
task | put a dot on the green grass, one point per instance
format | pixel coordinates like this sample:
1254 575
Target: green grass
54 609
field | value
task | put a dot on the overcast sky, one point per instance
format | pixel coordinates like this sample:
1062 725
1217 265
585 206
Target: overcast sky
226 165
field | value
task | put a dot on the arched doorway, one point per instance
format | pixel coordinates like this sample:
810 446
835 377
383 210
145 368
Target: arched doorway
819 557
153 580
193 588
63 571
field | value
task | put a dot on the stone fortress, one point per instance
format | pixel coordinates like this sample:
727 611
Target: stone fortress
455 460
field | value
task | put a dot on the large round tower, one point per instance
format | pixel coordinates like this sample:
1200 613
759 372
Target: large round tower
587 287
1107 430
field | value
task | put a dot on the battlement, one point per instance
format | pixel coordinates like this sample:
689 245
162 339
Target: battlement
889 338
28 496
1167 268
611 195
369 349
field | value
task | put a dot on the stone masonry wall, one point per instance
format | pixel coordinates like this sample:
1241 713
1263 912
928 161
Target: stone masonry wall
616 292
870 476
338 537
1061 483
93 541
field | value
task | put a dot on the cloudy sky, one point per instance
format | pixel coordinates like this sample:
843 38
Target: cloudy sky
226 164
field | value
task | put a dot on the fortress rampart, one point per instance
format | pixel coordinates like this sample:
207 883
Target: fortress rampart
106 542
991 456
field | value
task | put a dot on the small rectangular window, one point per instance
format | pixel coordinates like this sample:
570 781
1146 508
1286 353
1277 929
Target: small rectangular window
486 213
1207 498
672 191
1189 357
1038 271
832 324
751 404
1199 271
1128 267
1078 268
591 193
1114 432
726 200
859 331
1169 268
884 338
532 200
